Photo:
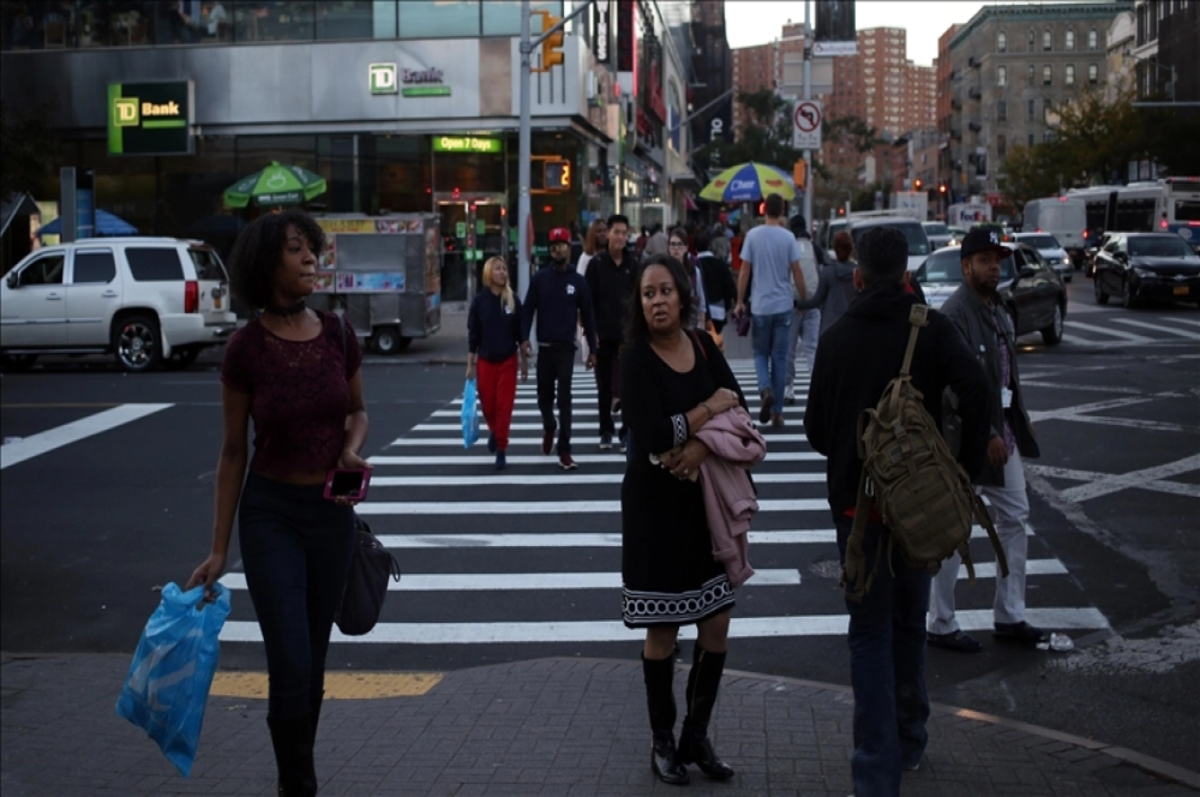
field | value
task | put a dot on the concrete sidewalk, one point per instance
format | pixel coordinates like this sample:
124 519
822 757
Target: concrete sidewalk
542 727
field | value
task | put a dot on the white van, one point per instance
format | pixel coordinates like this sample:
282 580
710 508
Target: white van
1063 217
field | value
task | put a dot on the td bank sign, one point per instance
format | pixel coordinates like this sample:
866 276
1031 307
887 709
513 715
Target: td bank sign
388 79
150 118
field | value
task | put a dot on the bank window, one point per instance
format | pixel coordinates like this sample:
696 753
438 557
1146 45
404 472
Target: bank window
1069 39
1001 76
44 271
503 17
355 19
1093 73
94 268
1047 40
439 19
1093 39
1047 75
154 264
1001 42
274 21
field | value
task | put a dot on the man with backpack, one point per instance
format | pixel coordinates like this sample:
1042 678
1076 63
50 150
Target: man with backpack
854 364
981 318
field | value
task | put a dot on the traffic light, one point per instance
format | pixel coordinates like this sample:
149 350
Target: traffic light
800 175
917 183
551 47
942 188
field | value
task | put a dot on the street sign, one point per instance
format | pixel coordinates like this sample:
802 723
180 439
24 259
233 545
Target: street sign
806 133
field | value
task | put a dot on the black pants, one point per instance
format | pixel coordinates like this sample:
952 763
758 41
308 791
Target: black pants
608 378
296 549
555 367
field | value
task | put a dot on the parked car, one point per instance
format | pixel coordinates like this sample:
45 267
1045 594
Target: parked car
1054 253
918 244
144 300
1135 266
938 233
1033 293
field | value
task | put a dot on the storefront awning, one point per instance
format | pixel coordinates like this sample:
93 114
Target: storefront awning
684 179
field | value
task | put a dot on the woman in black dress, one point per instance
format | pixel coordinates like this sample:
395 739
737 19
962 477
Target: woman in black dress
673 382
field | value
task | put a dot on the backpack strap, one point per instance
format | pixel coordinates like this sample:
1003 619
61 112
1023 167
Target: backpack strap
918 317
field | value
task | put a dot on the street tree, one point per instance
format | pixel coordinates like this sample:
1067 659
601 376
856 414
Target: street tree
767 137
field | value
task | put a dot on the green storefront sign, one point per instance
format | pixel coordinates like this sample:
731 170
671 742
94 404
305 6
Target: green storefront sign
150 118
467 144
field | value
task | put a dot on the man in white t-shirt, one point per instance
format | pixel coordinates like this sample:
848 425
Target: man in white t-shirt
770 251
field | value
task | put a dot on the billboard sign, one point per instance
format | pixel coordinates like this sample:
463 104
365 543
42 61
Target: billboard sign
837 33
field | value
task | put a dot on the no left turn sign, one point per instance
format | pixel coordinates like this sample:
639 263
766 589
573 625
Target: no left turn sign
807 119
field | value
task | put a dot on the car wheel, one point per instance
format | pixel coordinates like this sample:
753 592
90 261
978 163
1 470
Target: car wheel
387 340
183 356
1052 334
17 363
1101 296
136 343
1127 300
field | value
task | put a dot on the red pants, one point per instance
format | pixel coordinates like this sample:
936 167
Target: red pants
497 384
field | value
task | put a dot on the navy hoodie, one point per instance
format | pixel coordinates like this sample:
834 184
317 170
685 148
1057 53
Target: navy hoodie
559 298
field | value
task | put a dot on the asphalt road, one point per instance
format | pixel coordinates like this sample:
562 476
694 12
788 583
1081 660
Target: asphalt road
92 527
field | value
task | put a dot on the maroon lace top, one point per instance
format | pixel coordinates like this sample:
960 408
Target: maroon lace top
299 393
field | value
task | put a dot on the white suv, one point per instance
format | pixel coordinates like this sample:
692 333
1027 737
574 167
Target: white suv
145 300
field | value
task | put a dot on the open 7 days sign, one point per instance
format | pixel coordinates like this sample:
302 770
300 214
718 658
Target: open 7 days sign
150 118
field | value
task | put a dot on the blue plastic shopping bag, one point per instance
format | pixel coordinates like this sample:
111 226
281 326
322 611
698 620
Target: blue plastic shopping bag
173 667
470 416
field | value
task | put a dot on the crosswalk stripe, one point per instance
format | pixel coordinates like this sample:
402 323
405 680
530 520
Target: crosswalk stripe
490 479
484 582
493 632
548 507
1158 328
537 441
582 459
588 414
1188 321
547 540
1116 333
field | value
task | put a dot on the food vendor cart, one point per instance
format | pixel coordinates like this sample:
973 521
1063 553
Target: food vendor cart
384 273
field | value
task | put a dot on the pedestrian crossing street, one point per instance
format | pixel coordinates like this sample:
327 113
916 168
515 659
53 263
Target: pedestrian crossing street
532 555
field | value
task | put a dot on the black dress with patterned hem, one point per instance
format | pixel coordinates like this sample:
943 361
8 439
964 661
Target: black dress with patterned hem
667 567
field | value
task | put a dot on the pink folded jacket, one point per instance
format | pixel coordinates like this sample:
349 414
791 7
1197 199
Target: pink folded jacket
734 446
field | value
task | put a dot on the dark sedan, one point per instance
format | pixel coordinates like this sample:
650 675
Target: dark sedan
1033 293
1139 266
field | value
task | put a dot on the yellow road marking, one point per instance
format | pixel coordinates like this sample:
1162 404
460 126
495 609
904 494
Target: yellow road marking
338 685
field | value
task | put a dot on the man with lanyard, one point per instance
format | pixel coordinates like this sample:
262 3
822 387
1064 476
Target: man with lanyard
558 296
979 314
610 284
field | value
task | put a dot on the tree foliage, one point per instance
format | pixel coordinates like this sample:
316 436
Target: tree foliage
28 148
1095 142
767 137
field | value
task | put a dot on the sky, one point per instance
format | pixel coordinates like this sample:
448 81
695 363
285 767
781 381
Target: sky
750 22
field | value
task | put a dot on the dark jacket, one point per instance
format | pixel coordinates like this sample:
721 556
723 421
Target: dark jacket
719 287
493 331
835 291
975 320
610 287
859 355
558 299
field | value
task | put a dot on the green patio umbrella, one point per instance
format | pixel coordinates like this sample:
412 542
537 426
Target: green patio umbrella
275 185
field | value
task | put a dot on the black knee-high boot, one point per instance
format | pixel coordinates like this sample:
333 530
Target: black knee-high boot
703 683
659 676
310 766
292 739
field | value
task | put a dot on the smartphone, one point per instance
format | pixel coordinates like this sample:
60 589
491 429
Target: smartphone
347 483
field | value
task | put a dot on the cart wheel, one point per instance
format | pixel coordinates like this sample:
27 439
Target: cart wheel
387 340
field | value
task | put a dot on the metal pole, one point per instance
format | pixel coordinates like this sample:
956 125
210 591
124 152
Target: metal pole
808 175
525 153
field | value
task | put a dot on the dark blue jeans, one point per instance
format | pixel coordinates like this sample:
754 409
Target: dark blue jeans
296 549
887 668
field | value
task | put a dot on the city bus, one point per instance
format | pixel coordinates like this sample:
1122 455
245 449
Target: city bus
1171 204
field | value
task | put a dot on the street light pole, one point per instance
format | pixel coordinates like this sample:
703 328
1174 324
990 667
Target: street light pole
525 153
808 175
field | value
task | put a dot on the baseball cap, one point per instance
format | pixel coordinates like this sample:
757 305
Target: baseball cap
560 235
982 239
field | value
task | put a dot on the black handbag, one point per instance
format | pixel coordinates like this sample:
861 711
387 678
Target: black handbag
367 585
